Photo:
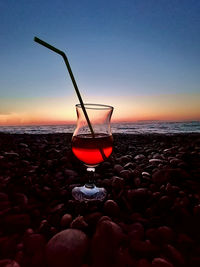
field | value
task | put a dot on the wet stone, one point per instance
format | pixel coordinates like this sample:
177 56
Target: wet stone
23 145
160 262
139 157
146 174
11 154
129 165
155 161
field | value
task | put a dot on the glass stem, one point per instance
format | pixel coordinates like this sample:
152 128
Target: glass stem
91 173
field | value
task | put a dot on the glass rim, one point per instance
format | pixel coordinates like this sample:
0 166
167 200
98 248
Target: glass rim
95 106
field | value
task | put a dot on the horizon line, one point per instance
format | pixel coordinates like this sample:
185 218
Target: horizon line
62 123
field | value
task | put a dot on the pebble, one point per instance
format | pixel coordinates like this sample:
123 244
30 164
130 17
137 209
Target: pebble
144 248
124 258
160 262
117 182
23 145
70 173
143 263
8 263
158 156
155 161
139 157
21 200
117 168
79 223
138 193
45 229
185 241
3 196
175 161
8 246
66 220
111 208
106 243
11 154
34 243
152 203
165 202
125 174
136 231
67 248
146 174
175 255
169 175
5 205
166 234
129 165
92 219
16 222
137 181
124 159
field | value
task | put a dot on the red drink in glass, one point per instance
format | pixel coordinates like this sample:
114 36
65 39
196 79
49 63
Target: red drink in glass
92 143
91 150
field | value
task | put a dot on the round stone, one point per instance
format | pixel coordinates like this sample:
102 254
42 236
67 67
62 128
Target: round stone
67 248
66 220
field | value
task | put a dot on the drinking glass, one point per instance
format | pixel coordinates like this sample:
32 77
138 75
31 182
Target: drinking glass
92 148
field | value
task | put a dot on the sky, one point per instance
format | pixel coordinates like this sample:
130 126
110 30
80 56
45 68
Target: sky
140 56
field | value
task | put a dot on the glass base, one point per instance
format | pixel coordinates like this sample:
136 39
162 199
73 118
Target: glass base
89 192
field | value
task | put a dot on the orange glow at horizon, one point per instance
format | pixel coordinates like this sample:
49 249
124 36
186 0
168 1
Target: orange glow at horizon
131 108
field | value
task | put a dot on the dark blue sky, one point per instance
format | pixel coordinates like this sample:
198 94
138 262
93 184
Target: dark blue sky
116 48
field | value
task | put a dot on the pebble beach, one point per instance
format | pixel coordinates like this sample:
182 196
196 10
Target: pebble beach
150 217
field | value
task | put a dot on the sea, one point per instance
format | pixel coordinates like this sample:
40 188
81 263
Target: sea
141 127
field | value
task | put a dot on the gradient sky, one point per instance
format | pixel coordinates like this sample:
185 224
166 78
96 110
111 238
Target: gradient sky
141 56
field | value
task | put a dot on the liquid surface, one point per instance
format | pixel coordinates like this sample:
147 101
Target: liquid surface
91 150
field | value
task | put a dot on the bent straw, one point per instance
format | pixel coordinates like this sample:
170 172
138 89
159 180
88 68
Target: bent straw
36 39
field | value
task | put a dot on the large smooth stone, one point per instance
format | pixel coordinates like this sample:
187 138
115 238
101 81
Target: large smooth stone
106 243
67 248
